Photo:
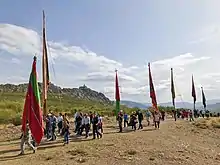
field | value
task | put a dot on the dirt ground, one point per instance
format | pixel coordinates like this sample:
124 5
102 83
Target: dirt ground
175 143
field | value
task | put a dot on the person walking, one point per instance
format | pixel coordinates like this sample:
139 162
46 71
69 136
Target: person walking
157 118
148 115
125 119
140 119
26 139
120 119
66 129
95 127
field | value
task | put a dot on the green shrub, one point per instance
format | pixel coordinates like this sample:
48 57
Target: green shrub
16 120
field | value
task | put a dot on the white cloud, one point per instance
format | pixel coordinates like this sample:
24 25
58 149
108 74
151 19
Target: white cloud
15 61
75 66
180 60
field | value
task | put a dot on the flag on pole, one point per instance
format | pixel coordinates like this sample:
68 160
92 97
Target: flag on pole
193 91
117 94
203 98
45 68
32 108
152 92
172 88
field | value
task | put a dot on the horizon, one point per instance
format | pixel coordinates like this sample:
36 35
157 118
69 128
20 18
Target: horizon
99 37
216 100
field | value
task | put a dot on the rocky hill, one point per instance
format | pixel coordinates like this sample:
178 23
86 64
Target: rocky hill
82 92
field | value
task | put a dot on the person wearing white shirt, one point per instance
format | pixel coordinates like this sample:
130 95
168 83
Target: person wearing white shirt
100 123
157 117
86 124
60 122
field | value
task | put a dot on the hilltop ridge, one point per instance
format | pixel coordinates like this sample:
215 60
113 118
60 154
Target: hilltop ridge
83 92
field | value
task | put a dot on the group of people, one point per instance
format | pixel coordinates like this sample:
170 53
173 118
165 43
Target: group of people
82 122
60 125
191 114
137 118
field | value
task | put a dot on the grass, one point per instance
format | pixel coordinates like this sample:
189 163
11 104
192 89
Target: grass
11 106
208 123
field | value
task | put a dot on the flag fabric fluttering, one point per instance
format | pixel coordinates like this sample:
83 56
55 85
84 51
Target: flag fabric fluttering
117 94
172 88
152 91
45 68
203 98
32 108
193 91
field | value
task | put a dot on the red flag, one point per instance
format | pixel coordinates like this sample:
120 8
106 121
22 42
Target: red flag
152 92
193 91
172 88
117 94
32 108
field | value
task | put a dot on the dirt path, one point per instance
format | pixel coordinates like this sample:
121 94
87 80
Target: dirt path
175 143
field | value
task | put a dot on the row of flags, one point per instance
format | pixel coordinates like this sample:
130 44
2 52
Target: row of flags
32 113
153 94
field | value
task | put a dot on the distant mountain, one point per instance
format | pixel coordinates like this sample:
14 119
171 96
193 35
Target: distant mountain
132 104
83 92
178 105
211 104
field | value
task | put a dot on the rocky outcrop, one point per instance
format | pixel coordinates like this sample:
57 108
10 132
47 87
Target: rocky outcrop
82 92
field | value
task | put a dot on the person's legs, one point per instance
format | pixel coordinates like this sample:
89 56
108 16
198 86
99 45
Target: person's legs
135 126
94 131
120 126
30 145
155 124
101 128
22 145
139 124
87 130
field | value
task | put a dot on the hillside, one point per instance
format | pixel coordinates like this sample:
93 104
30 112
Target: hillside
82 92
133 104
59 100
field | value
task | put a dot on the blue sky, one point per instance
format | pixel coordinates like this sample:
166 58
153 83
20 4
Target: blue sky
131 33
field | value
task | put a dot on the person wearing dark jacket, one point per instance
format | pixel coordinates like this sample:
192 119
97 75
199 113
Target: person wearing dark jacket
140 119
78 123
120 119
95 127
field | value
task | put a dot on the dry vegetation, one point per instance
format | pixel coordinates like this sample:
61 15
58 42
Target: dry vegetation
175 143
208 123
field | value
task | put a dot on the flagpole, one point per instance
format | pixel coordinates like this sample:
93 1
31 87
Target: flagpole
116 99
43 71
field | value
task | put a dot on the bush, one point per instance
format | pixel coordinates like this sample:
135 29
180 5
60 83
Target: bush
208 123
6 115
16 120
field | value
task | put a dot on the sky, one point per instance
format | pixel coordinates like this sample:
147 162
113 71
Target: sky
88 40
